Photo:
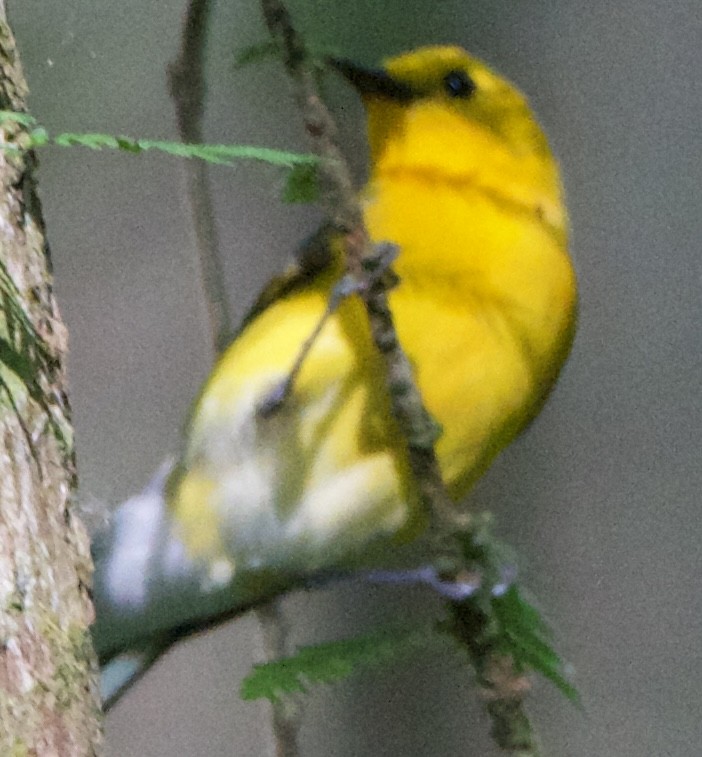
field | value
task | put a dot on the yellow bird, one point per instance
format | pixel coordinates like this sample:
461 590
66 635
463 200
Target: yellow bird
462 179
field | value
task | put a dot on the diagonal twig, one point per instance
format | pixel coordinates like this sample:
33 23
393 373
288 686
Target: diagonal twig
502 684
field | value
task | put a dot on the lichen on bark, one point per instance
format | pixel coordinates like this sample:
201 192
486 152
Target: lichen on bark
48 685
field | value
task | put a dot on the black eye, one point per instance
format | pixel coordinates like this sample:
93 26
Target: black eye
459 84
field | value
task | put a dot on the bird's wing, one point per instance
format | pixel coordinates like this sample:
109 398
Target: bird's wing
316 255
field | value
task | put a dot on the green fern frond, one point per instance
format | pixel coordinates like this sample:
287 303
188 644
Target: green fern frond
527 638
37 136
497 619
332 662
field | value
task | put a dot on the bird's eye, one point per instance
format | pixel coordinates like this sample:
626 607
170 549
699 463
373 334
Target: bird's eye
459 84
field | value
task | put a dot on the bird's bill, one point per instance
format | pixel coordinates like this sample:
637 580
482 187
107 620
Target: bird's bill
372 81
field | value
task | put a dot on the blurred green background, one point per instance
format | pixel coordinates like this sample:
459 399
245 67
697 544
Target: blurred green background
600 498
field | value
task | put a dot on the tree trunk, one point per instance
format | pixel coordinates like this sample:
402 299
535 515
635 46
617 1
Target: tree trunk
49 701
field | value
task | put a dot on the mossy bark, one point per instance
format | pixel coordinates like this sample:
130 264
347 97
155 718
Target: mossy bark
49 701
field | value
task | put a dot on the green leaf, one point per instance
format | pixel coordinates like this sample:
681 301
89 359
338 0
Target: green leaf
302 184
226 154
514 611
331 662
526 635
39 137
504 623
21 118
129 145
217 154
17 362
92 141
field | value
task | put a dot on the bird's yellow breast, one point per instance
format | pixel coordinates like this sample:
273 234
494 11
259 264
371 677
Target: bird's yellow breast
484 309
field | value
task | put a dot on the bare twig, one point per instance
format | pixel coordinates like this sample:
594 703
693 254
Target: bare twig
503 686
344 210
187 86
286 714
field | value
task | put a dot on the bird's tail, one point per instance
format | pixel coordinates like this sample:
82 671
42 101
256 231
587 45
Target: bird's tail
147 592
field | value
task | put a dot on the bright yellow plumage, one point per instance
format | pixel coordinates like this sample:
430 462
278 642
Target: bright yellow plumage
462 179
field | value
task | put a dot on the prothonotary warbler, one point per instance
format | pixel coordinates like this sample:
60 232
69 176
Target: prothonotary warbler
463 181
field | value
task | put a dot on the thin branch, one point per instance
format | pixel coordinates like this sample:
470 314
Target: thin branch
344 210
503 686
286 713
187 87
